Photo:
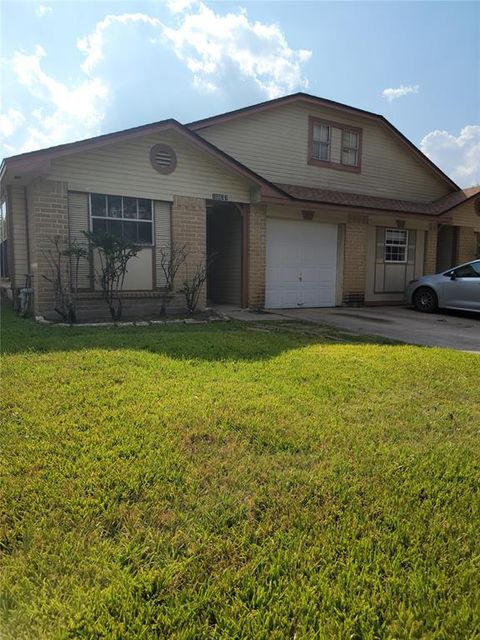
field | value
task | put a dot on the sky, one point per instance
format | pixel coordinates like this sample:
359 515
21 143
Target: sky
73 69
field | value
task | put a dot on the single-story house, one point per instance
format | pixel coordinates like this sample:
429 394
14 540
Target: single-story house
304 202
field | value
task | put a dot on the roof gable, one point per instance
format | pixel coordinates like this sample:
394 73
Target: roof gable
306 98
41 159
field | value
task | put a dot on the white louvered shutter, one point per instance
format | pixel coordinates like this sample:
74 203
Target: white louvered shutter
78 222
162 235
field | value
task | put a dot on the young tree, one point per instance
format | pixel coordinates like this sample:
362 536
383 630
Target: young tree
114 254
192 286
64 270
171 259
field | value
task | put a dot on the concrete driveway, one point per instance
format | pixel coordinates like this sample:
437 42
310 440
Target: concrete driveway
453 330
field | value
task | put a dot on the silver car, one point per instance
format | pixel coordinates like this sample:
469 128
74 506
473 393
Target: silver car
457 288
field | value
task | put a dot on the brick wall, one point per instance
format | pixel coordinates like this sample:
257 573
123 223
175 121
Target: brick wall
91 307
256 256
189 226
465 249
430 259
355 260
48 213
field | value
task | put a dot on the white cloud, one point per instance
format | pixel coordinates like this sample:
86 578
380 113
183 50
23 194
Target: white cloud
179 6
42 9
219 49
399 92
10 122
66 111
123 70
458 156
93 45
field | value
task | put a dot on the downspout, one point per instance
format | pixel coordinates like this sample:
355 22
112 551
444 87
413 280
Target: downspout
11 249
27 231
26 293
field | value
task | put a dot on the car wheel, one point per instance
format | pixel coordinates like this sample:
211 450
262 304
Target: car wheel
425 299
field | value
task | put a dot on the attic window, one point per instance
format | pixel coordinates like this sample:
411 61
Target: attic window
163 158
334 145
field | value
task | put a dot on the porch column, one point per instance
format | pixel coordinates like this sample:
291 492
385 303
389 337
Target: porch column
189 227
465 246
256 256
430 259
48 212
355 260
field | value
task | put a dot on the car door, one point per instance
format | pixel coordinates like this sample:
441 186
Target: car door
462 290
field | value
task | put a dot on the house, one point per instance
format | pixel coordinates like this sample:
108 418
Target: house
303 201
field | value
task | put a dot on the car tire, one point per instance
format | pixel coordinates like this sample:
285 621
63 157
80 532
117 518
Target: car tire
425 300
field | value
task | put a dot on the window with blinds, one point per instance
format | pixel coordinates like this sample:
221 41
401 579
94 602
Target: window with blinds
123 210
130 219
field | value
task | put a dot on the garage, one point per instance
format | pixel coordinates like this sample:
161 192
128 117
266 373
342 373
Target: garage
301 264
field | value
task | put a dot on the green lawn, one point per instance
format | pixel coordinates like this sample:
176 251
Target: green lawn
221 481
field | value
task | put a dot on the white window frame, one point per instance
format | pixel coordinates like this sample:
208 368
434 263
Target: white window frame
327 143
402 245
346 148
122 219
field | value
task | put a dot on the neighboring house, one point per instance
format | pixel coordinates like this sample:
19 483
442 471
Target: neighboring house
303 201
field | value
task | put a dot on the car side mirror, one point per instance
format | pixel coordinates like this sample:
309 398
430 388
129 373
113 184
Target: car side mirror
453 276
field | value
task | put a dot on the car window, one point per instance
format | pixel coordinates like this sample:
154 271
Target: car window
467 271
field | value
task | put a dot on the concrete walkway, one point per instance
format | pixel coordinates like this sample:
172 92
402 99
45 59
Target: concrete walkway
453 330
245 315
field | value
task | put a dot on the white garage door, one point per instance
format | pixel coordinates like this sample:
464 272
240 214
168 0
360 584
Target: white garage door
301 264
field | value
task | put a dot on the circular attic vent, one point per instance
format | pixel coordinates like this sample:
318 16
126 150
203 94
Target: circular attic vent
163 158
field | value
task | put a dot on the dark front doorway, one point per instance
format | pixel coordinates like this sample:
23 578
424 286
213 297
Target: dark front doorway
446 245
225 247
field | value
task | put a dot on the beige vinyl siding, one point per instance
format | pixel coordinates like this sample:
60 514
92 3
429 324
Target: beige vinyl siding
18 228
274 143
78 215
162 235
336 145
466 216
124 168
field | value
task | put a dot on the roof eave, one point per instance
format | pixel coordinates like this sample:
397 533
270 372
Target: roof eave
459 204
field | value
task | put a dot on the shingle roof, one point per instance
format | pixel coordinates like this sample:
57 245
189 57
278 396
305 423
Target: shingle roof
358 200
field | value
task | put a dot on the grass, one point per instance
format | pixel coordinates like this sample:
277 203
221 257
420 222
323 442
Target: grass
214 481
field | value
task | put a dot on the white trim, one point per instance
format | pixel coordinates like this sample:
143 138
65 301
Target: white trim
403 246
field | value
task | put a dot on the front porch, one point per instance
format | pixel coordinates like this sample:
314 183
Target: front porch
455 245
227 253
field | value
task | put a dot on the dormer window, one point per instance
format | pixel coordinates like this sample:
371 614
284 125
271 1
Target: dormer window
334 145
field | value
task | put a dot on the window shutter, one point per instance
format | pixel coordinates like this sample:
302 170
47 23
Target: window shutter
162 212
78 222
380 251
411 246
